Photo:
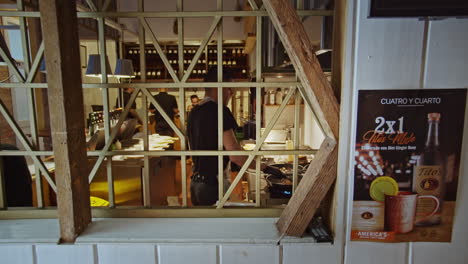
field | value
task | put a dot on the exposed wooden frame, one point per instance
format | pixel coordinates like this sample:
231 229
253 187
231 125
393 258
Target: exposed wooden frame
339 20
60 28
316 89
306 200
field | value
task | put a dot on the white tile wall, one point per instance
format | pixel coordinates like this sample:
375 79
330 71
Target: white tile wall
65 254
446 63
389 56
249 254
435 253
180 253
126 254
388 52
311 254
16 254
376 253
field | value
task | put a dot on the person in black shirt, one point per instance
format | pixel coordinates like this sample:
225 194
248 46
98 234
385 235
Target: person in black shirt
18 183
169 105
202 132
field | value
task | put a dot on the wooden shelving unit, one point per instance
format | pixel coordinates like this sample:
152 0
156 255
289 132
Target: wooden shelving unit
233 58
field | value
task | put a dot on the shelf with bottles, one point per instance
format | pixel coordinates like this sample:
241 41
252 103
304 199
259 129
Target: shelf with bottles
275 97
162 73
95 120
233 57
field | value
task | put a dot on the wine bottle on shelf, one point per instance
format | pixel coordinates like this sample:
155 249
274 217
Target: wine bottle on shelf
271 97
278 96
429 174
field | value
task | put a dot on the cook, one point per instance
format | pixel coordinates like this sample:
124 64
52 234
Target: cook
202 132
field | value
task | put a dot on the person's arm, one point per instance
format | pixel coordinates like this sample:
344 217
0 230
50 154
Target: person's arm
230 143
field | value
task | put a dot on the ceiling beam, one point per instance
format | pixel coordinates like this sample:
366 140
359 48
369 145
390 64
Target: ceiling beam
317 90
109 22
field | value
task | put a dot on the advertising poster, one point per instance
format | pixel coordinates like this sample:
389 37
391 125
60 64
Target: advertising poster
407 160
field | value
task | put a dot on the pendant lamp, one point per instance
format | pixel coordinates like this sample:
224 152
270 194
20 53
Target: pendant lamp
94 66
124 69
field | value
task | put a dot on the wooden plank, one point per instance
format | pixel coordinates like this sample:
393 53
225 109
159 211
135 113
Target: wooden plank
300 51
60 29
339 25
318 91
311 191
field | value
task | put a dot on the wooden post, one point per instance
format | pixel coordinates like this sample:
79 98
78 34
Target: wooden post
339 20
311 190
317 90
60 31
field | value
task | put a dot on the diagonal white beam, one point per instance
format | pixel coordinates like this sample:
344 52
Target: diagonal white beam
202 47
156 45
169 121
91 5
35 65
268 128
26 144
253 4
11 65
113 134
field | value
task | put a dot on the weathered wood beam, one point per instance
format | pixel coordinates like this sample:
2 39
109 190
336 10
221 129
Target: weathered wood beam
60 31
296 42
311 190
339 25
317 90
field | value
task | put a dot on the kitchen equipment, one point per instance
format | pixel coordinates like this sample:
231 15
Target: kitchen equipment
279 187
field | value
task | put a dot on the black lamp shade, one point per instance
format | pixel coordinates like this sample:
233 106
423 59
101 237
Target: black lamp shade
94 66
124 69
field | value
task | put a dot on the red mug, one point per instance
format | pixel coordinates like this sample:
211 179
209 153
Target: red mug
400 211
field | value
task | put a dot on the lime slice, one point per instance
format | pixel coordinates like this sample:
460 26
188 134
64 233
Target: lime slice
381 186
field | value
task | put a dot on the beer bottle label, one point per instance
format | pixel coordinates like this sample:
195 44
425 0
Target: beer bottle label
428 180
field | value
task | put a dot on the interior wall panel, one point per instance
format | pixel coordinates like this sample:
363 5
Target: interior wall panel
69 254
249 254
126 253
376 253
389 51
447 67
389 56
180 253
311 254
16 254
447 61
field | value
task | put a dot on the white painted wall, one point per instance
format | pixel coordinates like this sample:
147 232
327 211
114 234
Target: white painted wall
388 54
127 253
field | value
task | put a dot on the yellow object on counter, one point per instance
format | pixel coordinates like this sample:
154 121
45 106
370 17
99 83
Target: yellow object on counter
96 201
249 146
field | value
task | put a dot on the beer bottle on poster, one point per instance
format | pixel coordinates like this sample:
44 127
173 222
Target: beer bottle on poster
429 173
